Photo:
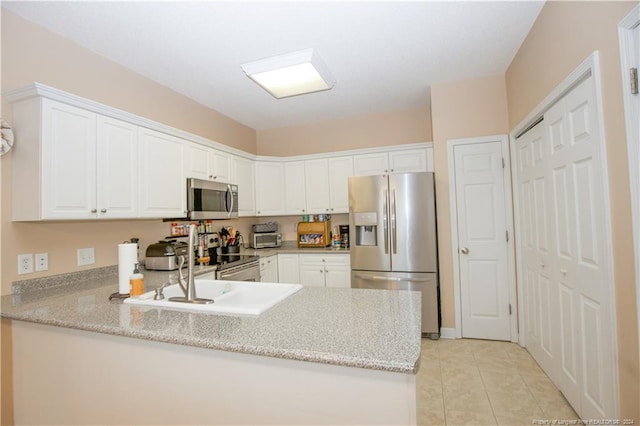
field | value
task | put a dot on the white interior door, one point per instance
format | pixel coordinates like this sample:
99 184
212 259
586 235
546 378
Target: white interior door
565 256
482 240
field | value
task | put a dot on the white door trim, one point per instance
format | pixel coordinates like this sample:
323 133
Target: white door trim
590 66
631 113
508 211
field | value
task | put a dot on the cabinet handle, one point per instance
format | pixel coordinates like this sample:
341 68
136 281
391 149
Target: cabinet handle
331 209
302 210
391 170
94 210
103 211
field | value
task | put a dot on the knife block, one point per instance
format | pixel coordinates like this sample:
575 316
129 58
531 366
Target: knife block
314 234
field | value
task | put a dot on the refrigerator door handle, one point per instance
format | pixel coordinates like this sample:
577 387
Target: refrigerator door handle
394 232
384 222
382 278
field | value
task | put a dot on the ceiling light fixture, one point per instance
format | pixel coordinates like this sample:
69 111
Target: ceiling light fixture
291 74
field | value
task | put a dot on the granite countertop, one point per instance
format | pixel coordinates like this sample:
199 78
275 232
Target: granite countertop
375 329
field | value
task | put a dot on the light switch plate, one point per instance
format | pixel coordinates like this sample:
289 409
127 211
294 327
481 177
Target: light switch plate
86 256
42 261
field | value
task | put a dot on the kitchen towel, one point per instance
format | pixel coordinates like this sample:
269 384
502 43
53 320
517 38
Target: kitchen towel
127 259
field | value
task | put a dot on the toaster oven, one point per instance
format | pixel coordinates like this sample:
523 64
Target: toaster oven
266 239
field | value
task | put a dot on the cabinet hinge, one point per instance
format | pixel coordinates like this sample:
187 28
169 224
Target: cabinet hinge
509 308
633 78
507 235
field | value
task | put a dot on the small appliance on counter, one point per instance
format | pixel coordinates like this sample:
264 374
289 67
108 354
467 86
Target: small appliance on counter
344 236
314 234
265 235
164 255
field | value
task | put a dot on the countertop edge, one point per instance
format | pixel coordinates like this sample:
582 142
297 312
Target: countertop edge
306 356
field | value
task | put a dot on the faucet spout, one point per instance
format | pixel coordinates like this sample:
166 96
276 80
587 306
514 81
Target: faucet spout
188 285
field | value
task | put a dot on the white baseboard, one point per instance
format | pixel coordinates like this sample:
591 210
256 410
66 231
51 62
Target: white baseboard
447 333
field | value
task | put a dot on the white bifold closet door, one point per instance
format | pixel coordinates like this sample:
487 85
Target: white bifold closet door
565 256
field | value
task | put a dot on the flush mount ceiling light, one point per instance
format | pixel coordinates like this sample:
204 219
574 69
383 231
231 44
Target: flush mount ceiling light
291 74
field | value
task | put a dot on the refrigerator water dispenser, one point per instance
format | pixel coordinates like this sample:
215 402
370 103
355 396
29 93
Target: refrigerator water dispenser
366 229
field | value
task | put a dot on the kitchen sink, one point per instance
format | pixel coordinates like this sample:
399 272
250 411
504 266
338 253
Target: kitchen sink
230 297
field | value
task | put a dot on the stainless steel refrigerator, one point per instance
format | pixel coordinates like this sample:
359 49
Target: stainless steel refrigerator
392 227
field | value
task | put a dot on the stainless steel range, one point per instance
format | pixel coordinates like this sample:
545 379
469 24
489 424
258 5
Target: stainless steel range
247 268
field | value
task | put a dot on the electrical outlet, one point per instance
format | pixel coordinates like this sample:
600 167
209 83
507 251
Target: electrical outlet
42 261
25 263
86 256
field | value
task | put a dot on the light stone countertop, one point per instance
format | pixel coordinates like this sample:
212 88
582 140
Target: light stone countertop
375 329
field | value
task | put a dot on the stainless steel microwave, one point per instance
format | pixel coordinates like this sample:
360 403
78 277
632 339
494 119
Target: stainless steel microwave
266 239
211 200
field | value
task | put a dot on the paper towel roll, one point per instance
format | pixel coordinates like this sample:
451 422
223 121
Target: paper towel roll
127 258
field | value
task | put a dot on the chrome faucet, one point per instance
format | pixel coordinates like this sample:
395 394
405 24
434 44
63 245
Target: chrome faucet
188 286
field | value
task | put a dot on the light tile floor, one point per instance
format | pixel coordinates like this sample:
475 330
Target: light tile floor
482 382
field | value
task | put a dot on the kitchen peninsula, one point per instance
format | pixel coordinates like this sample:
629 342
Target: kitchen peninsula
322 356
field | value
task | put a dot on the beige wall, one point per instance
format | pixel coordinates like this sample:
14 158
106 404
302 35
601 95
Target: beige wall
363 131
31 53
462 109
564 34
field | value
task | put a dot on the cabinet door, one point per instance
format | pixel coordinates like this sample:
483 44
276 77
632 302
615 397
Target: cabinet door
338 276
312 275
269 185
68 162
269 269
288 269
294 187
221 166
162 185
245 179
317 186
340 169
117 169
196 164
337 270
370 164
409 160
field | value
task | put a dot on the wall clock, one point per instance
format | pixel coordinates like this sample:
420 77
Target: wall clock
7 137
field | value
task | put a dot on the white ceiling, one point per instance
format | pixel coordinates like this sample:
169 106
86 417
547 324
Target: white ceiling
384 54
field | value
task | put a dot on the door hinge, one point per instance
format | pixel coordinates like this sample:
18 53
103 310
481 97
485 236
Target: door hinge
507 235
633 77
503 163
509 308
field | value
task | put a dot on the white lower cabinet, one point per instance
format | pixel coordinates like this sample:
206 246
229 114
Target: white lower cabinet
288 271
269 269
325 270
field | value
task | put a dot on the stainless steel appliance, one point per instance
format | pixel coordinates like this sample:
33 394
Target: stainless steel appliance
392 226
266 239
163 255
211 200
245 269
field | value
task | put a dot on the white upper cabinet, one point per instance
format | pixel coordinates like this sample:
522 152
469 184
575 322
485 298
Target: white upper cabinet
270 199
371 164
340 170
117 169
162 184
317 186
397 161
295 195
221 167
245 179
72 164
196 161
206 163
408 160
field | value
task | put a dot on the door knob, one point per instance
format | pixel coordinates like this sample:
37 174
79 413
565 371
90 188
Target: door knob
464 250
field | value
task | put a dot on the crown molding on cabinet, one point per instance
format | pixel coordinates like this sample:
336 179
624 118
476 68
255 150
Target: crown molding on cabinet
38 89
